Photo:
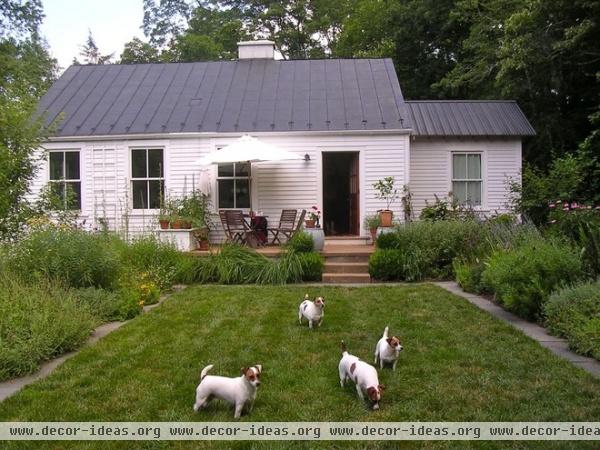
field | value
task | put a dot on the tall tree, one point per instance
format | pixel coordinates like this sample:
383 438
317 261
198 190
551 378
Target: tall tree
300 28
213 33
165 19
26 71
138 51
544 54
91 53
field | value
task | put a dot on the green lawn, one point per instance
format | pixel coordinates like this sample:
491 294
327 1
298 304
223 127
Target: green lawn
459 364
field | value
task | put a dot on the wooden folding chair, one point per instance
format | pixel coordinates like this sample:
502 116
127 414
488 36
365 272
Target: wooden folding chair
223 217
237 226
285 227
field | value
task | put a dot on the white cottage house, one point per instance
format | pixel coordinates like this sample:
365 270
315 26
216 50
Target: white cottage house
126 131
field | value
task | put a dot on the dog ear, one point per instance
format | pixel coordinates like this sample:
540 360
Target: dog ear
381 387
244 370
259 367
389 341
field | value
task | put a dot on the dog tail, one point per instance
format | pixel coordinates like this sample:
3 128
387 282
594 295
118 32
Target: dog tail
385 332
205 371
344 348
306 297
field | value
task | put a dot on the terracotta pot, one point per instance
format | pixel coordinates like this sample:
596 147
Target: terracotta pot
186 224
373 232
385 217
203 245
164 224
176 224
309 223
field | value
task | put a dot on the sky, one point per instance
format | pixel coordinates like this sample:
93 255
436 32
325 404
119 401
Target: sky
112 22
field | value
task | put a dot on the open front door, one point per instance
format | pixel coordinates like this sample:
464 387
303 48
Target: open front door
341 193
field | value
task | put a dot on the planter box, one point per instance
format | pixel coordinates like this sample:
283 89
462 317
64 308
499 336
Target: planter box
183 240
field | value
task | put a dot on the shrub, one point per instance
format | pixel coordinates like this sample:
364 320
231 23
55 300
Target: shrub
574 313
469 274
38 322
312 266
446 209
523 278
301 242
235 264
109 306
430 247
393 264
156 260
76 258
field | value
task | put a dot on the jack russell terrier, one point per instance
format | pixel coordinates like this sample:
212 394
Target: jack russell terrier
387 350
312 311
240 391
364 376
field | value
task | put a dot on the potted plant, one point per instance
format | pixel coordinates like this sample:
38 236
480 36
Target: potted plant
197 207
387 192
163 214
201 235
313 216
372 223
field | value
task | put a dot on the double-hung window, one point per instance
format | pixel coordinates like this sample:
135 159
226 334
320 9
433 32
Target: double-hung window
466 178
147 177
233 185
64 177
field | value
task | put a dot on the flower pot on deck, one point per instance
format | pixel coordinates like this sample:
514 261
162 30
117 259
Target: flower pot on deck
164 224
309 223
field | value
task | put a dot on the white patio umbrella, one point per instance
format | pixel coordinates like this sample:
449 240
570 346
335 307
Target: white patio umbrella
248 149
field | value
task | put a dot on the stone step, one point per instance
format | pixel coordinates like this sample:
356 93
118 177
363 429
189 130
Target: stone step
335 278
346 267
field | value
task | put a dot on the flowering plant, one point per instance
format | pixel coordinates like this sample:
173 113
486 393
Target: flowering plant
314 213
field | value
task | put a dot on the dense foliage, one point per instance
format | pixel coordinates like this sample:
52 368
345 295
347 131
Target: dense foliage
574 313
26 71
523 278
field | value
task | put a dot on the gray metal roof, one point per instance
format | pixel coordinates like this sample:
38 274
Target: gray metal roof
468 118
227 96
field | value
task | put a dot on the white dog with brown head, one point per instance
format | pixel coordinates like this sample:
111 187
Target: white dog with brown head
387 350
312 310
364 376
239 391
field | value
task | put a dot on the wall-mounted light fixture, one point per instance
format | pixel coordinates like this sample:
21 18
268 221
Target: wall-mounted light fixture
306 157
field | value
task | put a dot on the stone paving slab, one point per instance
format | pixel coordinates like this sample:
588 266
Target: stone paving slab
556 345
12 386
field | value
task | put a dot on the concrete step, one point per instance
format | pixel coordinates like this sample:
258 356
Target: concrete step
347 240
346 258
335 278
346 267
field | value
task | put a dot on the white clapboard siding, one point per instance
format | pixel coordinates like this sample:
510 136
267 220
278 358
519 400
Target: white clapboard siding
431 172
106 177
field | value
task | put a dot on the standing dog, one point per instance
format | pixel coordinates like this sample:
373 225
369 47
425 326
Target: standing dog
387 349
364 376
312 311
240 391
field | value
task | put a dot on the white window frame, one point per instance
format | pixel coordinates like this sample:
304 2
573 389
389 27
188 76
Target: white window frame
481 179
146 179
234 178
63 180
